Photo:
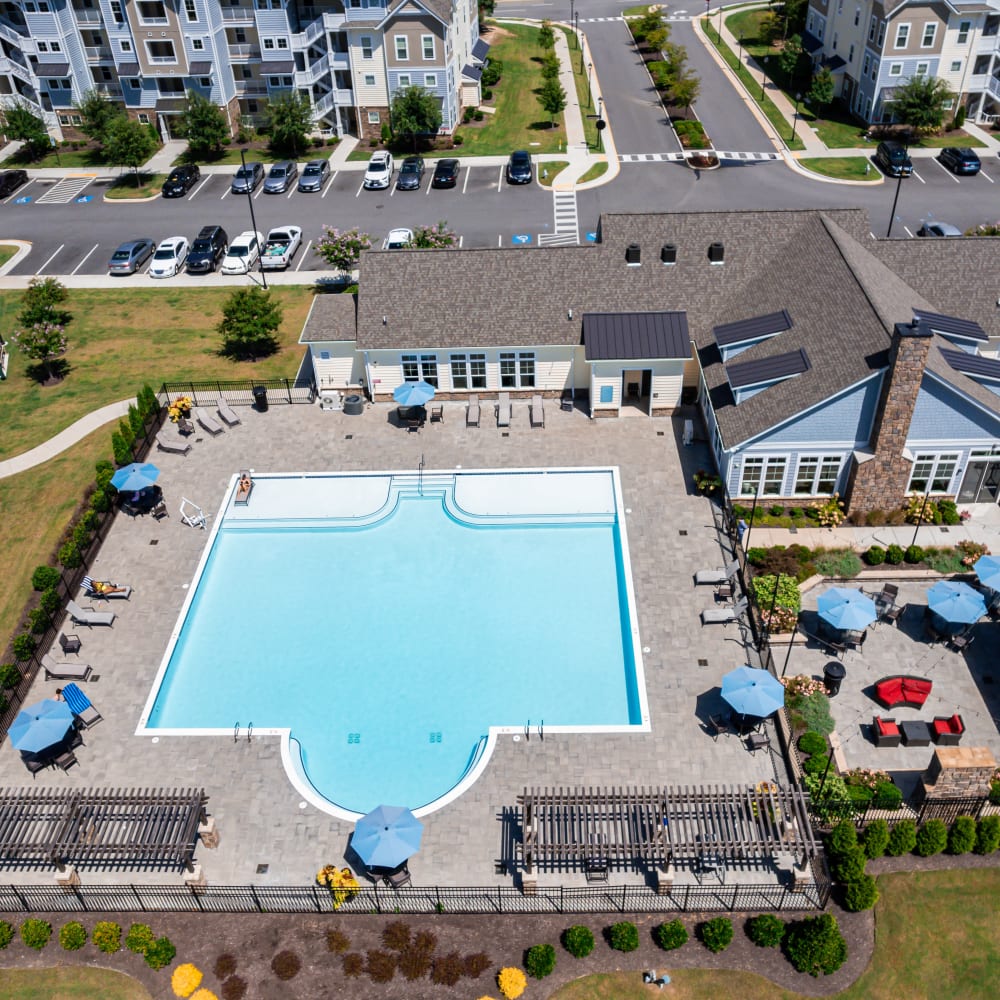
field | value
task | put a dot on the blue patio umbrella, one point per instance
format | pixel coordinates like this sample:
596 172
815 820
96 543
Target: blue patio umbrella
413 393
988 570
752 692
387 836
846 608
135 477
41 726
955 602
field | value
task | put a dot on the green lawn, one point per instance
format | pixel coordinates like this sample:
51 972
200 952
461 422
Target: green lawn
69 983
6 252
73 158
850 168
124 187
230 155
547 172
597 170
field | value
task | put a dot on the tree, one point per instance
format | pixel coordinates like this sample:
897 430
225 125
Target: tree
546 36
651 24
550 65
415 111
821 92
788 60
342 250
40 303
656 37
24 126
290 120
203 125
486 10
921 103
42 342
129 143
436 237
98 113
250 321
552 98
684 91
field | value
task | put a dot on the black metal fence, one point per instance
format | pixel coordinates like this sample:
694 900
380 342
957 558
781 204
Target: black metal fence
240 392
411 899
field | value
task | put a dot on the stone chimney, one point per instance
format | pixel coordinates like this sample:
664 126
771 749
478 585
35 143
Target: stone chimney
879 482
959 773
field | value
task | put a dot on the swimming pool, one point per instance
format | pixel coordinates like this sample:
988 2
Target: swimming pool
391 626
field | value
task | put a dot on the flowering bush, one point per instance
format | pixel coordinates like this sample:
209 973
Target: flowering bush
341 882
204 995
867 777
512 982
180 408
964 515
107 936
42 341
780 620
436 237
971 551
802 686
919 509
186 979
342 250
829 512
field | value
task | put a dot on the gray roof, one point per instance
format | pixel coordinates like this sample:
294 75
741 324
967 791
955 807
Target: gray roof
52 69
972 364
332 317
481 49
472 72
729 334
629 336
277 66
743 374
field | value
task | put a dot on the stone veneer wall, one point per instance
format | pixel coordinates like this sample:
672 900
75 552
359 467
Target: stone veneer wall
959 773
880 483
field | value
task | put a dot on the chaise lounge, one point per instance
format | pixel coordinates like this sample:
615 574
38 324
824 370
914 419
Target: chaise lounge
902 690
56 671
723 616
537 412
81 706
503 410
472 412
228 415
88 616
207 421
104 589
166 443
716 576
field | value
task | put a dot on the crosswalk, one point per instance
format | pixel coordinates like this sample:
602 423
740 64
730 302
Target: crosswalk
566 230
722 155
64 191
678 15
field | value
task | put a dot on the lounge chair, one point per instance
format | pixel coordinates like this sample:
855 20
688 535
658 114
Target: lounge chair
93 588
228 415
69 643
81 706
192 514
57 671
503 410
244 487
537 412
723 616
208 421
714 577
88 616
472 412
166 443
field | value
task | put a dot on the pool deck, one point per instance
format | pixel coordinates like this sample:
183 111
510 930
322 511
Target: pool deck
259 815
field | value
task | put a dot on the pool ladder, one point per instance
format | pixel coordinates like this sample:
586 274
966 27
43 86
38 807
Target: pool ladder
236 731
540 730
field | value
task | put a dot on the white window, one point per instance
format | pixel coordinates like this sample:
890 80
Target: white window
420 366
874 73
881 34
161 52
963 31
764 474
938 470
430 80
402 51
198 44
268 43
369 79
282 43
29 7
956 66
835 41
871 29
134 83
404 79
66 84
366 46
205 81
809 22
55 47
374 118
275 4
143 118
116 11
427 45
902 35
53 84
190 11
895 69
126 45
43 46
922 69
43 7
468 371
152 12
857 16
517 370
930 33
817 474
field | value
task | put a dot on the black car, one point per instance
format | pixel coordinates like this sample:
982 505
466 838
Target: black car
519 168
893 158
247 178
180 181
11 180
959 160
208 248
445 174
410 174
315 174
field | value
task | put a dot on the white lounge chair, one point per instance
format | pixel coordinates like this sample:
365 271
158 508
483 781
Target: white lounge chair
472 412
713 577
166 443
227 414
503 410
192 514
723 616
88 616
537 412
57 671
208 421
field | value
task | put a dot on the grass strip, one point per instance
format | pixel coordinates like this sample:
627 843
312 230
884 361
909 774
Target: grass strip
584 90
597 170
849 168
6 252
125 187
548 171
70 983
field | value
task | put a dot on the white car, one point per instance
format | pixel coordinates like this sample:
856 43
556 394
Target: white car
398 239
242 254
169 257
379 172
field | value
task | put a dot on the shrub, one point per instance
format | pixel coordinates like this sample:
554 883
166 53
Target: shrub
338 942
948 510
987 835
902 838
121 450
716 934
671 935
838 563
843 838
10 676
225 966
186 979
381 966
139 938
234 988
457 139
6 934
107 936
811 742
788 592
876 838
44 577
160 953
861 894
913 554
875 555
816 764
848 866
814 711
425 941
875 518
38 620
894 555
50 602
540 961
24 645
395 936
962 835
766 931
353 963
36 933
815 945
887 796
286 965
512 982
492 72
414 963
72 936
69 555
578 941
100 502
476 964
932 838
623 936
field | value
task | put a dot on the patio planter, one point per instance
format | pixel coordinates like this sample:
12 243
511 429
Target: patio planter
702 159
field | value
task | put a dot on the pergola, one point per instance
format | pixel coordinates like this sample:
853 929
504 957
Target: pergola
124 828
657 826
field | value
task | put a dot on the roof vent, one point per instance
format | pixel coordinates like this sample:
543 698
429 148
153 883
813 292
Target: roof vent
632 255
668 253
716 252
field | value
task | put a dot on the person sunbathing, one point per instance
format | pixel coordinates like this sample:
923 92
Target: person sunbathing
245 483
105 587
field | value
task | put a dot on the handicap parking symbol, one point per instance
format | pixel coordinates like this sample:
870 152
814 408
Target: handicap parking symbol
521 238
84 198
23 200
591 237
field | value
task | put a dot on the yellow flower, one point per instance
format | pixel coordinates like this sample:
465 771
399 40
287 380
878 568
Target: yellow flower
204 995
185 980
511 982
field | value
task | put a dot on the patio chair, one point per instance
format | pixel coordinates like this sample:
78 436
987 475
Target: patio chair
723 616
758 741
66 760
885 732
80 705
503 410
228 415
398 878
537 412
713 577
437 414
893 613
69 643
719 725
472 412
566 400
855 642
56 671
34 766
932 633
961 642
596 869
159 510
724 592
207 421
166 443
95 588
88 616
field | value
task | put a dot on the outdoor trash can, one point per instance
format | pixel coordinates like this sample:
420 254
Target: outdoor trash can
833 676
260 398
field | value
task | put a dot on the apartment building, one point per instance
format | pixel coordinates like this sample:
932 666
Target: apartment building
346 57
872 48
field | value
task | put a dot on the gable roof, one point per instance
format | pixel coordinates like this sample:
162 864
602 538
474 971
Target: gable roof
629 336
332 317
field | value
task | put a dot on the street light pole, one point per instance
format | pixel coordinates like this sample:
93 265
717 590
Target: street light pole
741 48
571 11
590 69
253 221
763 76
795 117
895 201
600 132
720 22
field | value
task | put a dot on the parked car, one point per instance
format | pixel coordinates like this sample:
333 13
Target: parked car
169 257
282 174
180 181
445 173
379 172
519 168
242 254
315 175
130 256
11 180
280 247
411 173
247 178
208 248
893 158
938 229
960 160
398 239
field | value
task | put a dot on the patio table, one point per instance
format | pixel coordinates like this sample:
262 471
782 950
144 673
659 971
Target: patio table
916 733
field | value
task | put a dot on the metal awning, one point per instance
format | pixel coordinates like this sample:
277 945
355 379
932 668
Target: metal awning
472 72
480 50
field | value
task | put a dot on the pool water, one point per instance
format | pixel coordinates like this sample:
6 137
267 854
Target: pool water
390 650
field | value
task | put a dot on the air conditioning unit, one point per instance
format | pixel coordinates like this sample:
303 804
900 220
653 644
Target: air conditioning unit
330 399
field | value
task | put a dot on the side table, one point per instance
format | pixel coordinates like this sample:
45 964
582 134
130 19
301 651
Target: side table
915 733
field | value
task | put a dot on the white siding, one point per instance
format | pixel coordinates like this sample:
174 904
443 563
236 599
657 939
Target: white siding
338 370
363 95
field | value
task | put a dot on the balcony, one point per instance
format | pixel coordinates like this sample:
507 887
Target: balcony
85 16
244 51
995 86
164 60
95 53
238 15
335 97
313 71
14 67
250 88
109 89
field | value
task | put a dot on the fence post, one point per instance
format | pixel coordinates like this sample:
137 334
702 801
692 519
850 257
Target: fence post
256 899
135 892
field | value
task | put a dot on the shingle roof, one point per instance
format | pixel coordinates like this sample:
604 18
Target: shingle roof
332 317
937 364
472 72
629 336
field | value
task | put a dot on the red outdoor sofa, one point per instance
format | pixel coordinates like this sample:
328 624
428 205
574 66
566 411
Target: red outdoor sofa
902 690
885 731
947 731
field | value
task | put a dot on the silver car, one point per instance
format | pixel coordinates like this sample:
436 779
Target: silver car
281 176
247 178
130 256
315 175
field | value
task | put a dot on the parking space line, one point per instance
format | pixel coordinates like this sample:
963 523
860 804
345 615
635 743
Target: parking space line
225 193
52 258
260 191
361 188
906 229
329 183
466 184
500 181
208 177
84 261
291 191
302 255
918 177
20 191
946 170
427 190
499 239
982 173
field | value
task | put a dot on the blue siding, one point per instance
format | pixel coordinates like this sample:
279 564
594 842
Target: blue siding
943 415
